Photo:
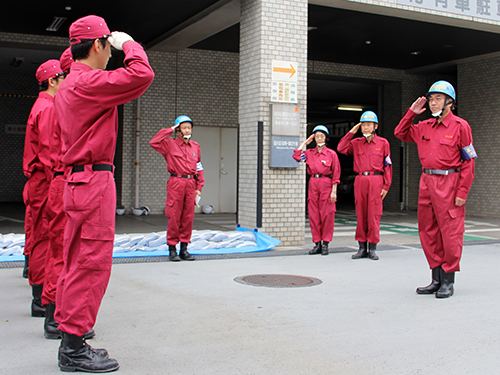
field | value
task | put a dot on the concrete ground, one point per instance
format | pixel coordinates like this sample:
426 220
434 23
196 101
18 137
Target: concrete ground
364 318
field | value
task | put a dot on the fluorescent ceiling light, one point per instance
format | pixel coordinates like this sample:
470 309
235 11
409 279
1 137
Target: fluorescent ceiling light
56 24
349 108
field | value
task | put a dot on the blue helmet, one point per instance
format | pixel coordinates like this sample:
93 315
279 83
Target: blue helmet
321 128
442 87
369 116
183 118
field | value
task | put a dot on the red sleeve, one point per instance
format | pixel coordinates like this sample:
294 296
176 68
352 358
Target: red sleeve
159 141
200 182
335 169
45 121
115 87
296 154
405 131
345 144
387 168
467 167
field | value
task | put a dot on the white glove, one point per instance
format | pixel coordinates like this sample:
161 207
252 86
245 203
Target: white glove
117 39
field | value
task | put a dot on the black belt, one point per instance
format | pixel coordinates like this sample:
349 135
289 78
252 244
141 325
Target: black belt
58 174
95 168
322 175
371 173
438 171
195 176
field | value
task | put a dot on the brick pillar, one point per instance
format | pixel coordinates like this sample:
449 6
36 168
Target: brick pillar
270 30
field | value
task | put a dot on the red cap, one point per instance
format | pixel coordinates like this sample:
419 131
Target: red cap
89 27
66 60
49 69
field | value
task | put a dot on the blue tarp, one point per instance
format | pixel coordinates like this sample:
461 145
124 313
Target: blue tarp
263 243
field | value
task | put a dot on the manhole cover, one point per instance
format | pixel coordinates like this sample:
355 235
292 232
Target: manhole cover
278 281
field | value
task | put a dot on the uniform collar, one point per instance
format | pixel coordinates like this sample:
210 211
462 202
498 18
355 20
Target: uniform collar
374 139
44 95
322 150
448 119
80 66
181 142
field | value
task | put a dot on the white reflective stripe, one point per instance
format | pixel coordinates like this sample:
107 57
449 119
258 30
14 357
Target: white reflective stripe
303 157
199 167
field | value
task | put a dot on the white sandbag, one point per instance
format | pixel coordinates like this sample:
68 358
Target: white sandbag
121 239
198 245
237 244
14 250
248 236
218 236
162 239
18 240
147 238
7 239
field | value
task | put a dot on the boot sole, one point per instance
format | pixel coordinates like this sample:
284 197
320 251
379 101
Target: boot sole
52 336
75 368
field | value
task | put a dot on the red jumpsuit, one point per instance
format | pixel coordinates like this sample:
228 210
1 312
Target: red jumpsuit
319 204
86 110
370 157
36 166
56 216
182 159
440 222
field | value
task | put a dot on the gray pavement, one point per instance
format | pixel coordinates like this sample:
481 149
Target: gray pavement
193 318
364 318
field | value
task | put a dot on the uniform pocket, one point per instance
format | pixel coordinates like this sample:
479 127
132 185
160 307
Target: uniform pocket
96 252
78 196
449 148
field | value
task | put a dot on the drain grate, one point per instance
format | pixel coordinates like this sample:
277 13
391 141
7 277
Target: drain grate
278 281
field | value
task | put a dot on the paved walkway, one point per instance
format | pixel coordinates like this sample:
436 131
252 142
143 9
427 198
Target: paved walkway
193 318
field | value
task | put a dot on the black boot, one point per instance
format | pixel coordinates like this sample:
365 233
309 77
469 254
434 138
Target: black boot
50 326
447 281
324 248
37 309
184 253
173 254
435 284
316 249
371 251
76 355
362 253
26 266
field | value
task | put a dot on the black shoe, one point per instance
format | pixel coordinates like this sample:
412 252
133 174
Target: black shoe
371 251
447 281
435 284
89 335
173 254
184 253
76 355
37 309
316 249
362 253
26 266
50 326
324 248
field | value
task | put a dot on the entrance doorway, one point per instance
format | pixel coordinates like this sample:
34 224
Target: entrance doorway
219 159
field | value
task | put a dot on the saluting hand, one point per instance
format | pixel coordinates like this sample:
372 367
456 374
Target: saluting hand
355 128
310 139
418 105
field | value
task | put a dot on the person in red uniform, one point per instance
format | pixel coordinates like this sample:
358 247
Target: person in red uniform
57 220
447 155
86 111
373 165
324 168
183 157
36 165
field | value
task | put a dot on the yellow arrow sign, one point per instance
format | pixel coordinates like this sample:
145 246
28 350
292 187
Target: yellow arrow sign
285 70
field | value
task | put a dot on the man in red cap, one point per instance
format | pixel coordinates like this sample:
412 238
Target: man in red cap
57 220
36 166
86 110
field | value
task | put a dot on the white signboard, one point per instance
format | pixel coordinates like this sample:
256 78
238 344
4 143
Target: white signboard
489 9
284 81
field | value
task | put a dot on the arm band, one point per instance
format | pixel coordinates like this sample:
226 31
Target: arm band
387 161
468 152
199 167
303 157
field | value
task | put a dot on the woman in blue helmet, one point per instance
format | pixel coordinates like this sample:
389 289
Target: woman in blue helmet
324 168
447 156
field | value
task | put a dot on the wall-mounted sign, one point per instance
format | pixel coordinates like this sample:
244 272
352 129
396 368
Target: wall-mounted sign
284 81
285 132
473 8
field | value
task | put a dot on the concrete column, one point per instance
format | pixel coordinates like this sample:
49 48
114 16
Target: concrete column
270 30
